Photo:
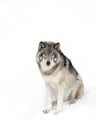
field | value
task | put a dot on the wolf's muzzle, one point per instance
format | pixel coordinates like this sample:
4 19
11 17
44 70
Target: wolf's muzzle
48 63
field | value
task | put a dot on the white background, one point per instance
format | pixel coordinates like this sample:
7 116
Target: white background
23 23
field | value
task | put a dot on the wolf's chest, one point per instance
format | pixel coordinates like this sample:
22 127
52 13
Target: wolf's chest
53 80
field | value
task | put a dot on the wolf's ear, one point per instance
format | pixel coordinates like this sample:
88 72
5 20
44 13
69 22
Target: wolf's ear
57 46
41 45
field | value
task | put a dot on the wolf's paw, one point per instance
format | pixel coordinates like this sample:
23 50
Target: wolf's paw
57 111
46 111
71 102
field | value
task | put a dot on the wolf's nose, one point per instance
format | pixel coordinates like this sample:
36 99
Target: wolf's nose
48 63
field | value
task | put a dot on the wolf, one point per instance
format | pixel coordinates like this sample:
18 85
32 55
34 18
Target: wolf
63 82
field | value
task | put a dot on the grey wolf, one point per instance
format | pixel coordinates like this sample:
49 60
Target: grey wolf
63 82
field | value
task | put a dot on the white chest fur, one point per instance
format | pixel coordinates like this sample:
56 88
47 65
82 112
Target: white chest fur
53 80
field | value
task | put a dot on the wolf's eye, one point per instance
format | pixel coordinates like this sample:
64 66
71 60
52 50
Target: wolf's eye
41 58
55 59
44 55
53 56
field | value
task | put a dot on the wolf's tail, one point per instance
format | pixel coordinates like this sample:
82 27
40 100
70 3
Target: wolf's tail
80 92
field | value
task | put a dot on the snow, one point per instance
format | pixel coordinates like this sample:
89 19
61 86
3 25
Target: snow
23 23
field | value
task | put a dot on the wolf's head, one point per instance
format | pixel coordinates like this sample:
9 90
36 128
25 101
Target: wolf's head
48 55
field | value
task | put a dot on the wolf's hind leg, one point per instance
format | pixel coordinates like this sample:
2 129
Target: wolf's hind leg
75 92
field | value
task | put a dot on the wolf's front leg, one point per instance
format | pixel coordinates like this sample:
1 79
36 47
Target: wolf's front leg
59 100
49 105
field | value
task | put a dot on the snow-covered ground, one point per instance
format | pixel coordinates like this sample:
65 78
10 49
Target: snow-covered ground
23 23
